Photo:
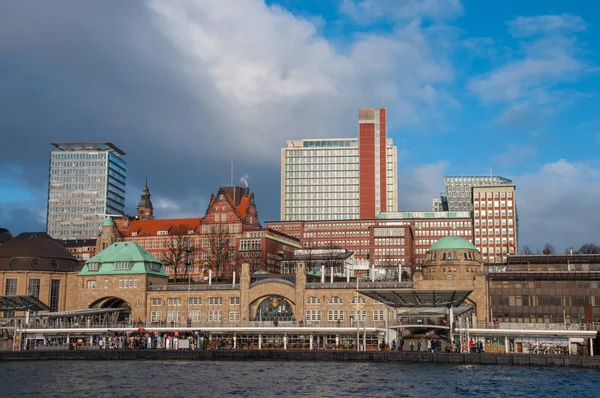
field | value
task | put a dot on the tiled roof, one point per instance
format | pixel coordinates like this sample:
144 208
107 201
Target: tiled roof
151 227
243 199
140 261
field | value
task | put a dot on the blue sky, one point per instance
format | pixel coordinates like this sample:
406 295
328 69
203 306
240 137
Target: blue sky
182 86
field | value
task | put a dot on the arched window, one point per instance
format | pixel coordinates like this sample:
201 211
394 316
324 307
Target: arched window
335 300
313 300
360 300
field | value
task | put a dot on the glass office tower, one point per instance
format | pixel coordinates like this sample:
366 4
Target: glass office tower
86 183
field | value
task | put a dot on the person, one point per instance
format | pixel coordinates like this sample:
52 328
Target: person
419 346
471 345
401 345
412 345
394 345
429 346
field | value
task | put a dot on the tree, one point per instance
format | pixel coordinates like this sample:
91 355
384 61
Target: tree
220 251
180 250
526 250
548 249
589 248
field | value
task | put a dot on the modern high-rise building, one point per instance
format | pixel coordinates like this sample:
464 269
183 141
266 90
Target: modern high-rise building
495 222
459 190
86 183
341 178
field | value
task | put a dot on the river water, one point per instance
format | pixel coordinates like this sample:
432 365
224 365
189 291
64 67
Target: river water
284 379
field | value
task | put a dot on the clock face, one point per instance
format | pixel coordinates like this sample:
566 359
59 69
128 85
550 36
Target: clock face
221 197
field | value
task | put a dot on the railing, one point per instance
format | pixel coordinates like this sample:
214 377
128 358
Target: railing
361 285
533 326
192 287
208 324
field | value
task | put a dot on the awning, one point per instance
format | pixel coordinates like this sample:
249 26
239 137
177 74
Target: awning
402 298
21 303
434 312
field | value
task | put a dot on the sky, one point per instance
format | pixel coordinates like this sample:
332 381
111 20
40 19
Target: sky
470 87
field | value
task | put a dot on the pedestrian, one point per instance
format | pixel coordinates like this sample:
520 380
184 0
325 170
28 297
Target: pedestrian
419 346
429 346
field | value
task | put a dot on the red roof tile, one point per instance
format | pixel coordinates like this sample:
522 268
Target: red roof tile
151 227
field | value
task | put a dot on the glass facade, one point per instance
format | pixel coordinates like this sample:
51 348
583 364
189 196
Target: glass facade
85 185
320 180
458 189
54 294
563 291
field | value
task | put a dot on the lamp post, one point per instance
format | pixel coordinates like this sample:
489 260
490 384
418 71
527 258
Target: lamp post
188 262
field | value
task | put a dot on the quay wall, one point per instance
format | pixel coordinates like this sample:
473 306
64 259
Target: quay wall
308 355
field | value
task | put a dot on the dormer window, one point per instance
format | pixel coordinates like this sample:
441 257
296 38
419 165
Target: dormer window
162 233
123 265
93 266
134 234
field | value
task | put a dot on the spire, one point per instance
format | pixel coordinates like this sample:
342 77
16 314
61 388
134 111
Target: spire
145 210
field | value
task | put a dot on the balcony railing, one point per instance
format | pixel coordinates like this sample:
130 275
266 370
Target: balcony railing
533 326
361 285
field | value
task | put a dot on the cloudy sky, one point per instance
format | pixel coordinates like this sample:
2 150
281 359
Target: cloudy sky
182 86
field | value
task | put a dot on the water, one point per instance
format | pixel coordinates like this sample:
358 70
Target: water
283 379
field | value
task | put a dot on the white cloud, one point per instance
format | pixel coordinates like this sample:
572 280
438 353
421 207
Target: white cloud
559 204
286 81
365 11
546 24
516 154
417 186
543 63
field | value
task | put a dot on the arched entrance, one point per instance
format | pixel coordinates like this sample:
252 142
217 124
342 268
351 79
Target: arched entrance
114 302
274 308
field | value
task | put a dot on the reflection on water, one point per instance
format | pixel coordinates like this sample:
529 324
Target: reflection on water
267 379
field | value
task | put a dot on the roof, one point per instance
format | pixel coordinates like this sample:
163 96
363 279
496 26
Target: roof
108 222
452 243
36 251
123 258
21 303
83 312
402 298
78 242
88 146
319 256
435 311
5 235
151 227
239 198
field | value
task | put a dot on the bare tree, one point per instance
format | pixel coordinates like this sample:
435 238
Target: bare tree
548 249
220 251
180 250
526 250
589 248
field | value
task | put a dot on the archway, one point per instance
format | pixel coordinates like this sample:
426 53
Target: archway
114 302
274 308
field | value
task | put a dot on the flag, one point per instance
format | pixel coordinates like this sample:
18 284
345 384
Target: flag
510 244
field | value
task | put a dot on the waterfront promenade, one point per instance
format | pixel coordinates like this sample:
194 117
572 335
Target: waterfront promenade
309 355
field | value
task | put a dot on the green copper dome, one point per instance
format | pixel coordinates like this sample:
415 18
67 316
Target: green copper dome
452 243
108 222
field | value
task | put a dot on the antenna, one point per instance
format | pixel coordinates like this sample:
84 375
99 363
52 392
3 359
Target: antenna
491 175
231 169
382 103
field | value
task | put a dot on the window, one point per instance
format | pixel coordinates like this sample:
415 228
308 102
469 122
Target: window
313 300
54 293
123 265
135 283
215 301
11 287
173 316
362 315
214 315
234 315
194 315
335 300
234 301
106 283
378 315
193 301
93 267
34 288
156 302
155 316
312 315
174 302
360 300
120 283
91 284
335 315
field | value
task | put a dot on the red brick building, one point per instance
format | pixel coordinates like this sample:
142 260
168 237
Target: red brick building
229 234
